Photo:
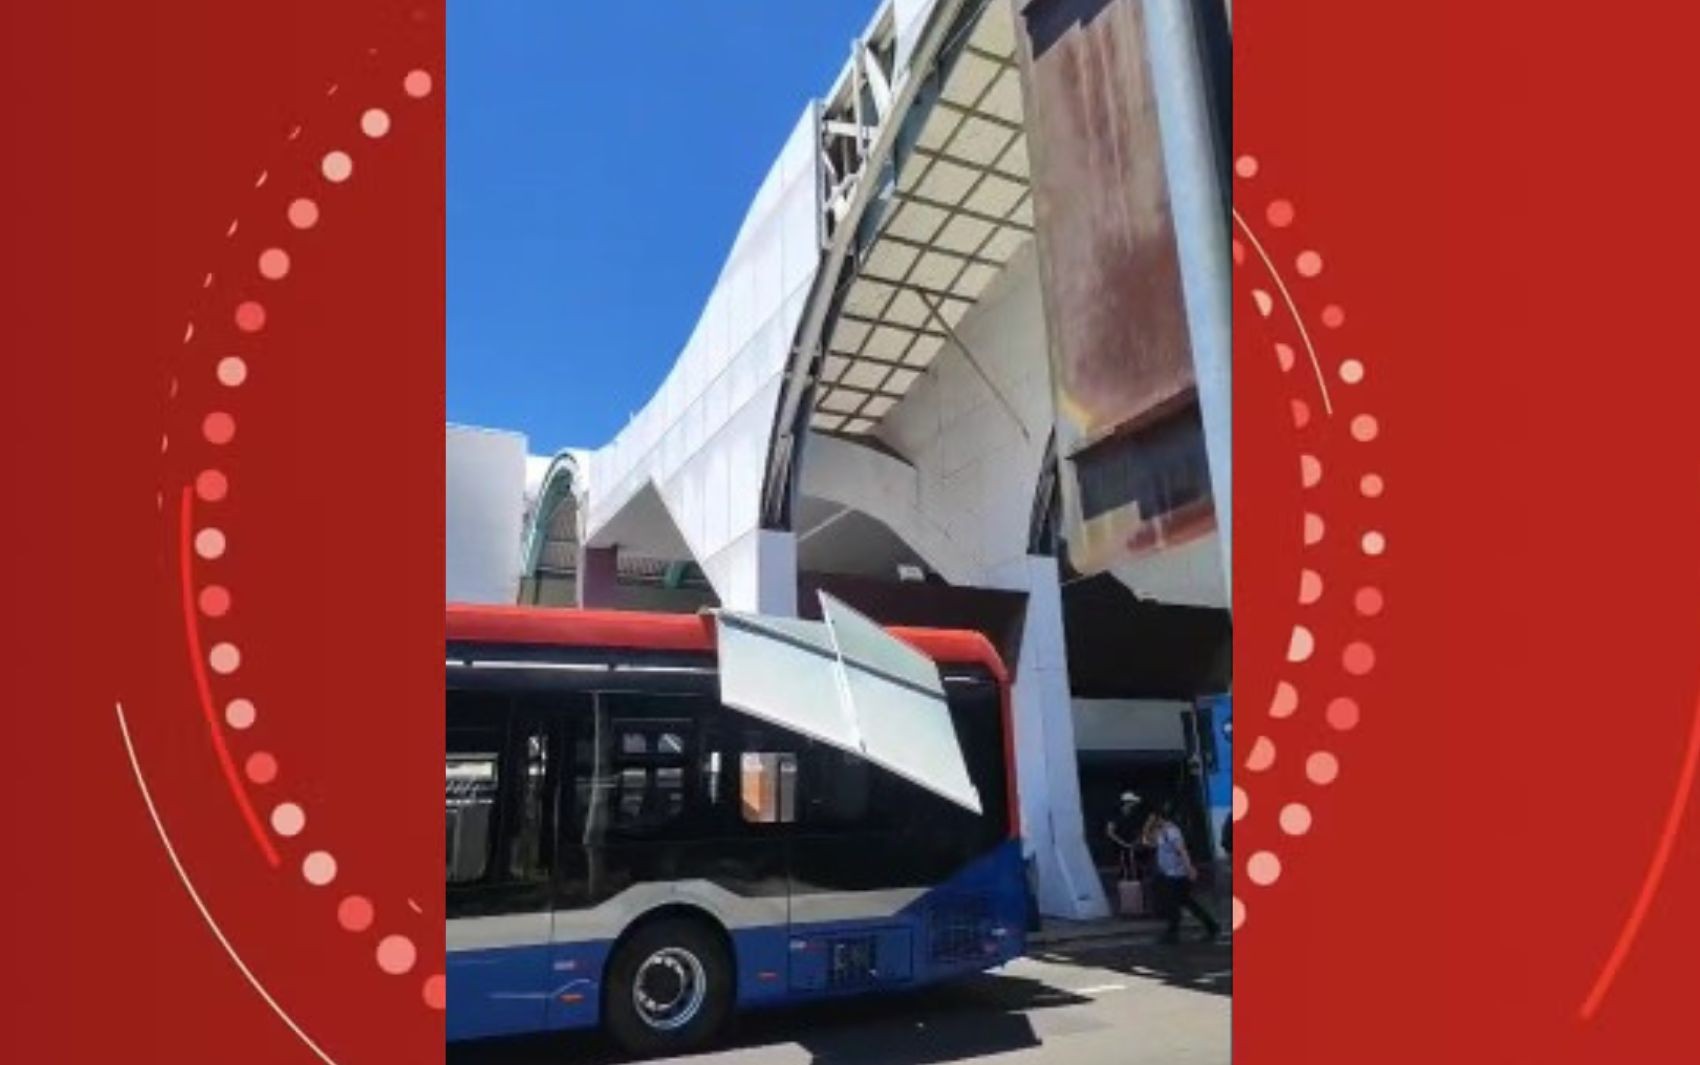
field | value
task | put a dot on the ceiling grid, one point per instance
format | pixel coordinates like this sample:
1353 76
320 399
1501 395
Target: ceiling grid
963 209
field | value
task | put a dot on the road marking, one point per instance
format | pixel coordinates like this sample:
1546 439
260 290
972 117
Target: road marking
1100 989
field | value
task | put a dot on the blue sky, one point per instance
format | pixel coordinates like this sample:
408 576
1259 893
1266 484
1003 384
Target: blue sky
600 159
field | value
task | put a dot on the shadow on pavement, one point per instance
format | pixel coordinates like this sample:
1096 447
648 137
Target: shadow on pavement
977 1016
1206 967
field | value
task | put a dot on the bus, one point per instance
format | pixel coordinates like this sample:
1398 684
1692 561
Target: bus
654 821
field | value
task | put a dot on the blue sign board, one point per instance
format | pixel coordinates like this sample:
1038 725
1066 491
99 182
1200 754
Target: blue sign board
1218 714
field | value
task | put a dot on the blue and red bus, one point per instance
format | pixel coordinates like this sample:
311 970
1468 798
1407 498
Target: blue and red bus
656 820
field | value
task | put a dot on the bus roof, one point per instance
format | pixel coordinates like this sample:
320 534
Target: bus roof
545 626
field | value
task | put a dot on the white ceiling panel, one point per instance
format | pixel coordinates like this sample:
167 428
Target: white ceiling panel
888 342
963 234
969 78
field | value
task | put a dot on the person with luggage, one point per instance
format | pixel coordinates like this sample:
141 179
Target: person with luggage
1176 874
1125 831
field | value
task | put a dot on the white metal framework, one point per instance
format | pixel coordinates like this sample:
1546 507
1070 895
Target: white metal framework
960 206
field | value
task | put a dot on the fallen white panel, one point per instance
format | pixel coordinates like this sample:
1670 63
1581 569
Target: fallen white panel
848 683
785 671
900 706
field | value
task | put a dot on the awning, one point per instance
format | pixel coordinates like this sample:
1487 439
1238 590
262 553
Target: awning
958 208
848 683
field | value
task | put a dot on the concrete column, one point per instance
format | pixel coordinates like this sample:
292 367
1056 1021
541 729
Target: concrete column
1201 237
598 577
1047 765
757 572
776 573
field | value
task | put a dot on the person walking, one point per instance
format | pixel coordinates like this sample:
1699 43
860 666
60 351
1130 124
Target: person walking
1176 874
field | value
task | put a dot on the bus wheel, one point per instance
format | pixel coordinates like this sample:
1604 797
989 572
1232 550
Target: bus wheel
669 988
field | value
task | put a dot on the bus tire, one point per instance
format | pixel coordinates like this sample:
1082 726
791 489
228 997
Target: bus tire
669 987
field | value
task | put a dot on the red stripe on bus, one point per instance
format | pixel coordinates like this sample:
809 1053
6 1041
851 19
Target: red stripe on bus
633 631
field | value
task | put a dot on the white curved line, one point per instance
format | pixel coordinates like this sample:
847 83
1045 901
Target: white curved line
195 896
1292 308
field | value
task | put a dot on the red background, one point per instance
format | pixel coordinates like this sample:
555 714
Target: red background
137 133
1499 193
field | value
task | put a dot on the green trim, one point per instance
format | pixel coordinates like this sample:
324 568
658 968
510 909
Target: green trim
557 487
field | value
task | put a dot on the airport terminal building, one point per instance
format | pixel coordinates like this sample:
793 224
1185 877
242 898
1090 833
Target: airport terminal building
967 364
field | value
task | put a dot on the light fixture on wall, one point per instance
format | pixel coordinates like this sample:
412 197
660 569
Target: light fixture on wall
910 574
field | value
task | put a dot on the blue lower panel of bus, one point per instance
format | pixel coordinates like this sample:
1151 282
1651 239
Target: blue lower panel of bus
974 921
513 990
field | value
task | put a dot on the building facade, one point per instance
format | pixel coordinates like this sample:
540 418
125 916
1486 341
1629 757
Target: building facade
967 363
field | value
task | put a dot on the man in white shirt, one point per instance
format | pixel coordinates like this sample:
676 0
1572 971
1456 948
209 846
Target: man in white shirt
1175 876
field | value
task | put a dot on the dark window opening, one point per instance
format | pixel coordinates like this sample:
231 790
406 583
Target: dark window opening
647 771
1160 469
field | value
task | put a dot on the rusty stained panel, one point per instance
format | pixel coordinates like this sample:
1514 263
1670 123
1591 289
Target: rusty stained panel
1120 352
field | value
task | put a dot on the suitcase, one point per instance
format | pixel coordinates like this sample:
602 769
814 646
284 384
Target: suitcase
1130 898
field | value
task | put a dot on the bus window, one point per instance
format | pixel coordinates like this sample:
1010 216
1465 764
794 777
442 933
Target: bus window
650 797
634 790
768 786
836 790
647 769
670 788
471 809
498 806
525 848
711 777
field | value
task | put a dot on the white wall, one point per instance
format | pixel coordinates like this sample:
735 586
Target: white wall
874 483
702 438
1188 574
965 503
483 523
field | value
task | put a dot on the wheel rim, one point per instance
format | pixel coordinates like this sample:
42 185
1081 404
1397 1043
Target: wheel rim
669 989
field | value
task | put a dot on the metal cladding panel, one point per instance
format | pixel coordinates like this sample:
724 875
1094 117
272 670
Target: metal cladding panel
850 684
866 646
899 703
1120 347
994 613
785 672
737 349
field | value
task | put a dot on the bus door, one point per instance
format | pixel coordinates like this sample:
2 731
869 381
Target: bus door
856 704
763 764
656 820
502 765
